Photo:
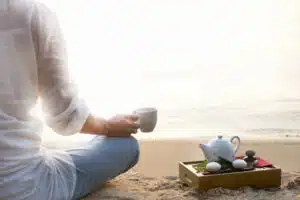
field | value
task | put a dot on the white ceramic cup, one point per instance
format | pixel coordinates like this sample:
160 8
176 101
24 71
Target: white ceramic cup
147 118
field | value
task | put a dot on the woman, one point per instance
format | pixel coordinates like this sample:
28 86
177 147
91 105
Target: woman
33 65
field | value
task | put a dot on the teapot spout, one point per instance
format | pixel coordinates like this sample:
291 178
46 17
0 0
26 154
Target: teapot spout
208 152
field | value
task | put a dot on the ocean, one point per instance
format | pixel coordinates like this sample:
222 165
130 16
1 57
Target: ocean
210 67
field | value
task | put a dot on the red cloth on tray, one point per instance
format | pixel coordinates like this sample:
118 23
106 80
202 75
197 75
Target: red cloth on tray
261 162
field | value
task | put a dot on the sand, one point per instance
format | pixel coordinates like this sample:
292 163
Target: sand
134 186
155 177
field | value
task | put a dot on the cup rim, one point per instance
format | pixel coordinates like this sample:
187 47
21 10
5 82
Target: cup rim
146 109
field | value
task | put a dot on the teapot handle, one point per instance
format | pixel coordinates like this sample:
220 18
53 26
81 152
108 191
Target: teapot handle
238 142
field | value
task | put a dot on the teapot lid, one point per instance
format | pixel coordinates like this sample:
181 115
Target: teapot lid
220 137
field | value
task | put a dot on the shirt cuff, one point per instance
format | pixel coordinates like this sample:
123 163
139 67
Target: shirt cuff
71 120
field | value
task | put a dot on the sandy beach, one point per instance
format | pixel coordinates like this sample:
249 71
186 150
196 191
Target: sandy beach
156 175
134 186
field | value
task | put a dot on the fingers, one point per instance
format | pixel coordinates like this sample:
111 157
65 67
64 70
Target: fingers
131 121
132 125
124 125
134 131
129 132
132 118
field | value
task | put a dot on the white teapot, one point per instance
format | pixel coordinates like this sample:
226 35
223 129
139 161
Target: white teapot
220 148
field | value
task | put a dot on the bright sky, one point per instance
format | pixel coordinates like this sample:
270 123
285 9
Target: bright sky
155 51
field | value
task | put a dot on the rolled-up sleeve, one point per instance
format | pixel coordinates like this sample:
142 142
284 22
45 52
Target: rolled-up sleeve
63 110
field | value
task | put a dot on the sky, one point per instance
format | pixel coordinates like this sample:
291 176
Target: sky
127 54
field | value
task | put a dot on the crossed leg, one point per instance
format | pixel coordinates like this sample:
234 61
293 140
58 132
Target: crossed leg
100 160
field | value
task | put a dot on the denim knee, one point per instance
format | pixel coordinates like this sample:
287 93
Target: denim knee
119 148
135 151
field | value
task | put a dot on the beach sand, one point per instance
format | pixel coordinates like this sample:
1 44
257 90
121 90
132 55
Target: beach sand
134 186
156 175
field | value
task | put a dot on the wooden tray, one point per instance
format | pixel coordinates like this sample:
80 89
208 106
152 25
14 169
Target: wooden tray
268 177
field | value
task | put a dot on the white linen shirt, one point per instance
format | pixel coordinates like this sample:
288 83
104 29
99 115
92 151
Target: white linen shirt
33 65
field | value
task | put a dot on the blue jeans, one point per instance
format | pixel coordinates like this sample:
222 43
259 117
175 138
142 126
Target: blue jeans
102 159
